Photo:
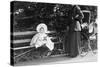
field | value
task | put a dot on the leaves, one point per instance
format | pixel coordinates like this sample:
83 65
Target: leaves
29 14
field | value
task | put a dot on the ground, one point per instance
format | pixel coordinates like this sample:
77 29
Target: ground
90 57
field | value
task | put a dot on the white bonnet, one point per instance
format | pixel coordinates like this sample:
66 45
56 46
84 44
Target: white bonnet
42 25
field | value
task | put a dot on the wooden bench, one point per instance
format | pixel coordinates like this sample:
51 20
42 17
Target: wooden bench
21 42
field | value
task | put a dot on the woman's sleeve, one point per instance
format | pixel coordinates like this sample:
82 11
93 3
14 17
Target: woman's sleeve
34 39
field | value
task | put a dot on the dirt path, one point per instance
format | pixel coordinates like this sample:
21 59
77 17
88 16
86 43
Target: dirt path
61 59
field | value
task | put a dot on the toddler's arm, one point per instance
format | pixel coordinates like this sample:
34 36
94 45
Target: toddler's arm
34 39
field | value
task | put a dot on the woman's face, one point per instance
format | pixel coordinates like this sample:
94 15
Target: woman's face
41 30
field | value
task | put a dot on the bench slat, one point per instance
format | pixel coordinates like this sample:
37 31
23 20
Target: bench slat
29 46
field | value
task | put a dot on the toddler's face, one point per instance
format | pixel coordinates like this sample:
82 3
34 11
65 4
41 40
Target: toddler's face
41 30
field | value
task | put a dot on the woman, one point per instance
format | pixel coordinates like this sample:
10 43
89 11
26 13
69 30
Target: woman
73 40
41 41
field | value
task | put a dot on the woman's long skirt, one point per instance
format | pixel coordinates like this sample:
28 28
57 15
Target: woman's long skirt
72 44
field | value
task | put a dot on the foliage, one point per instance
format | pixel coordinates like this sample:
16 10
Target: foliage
28 14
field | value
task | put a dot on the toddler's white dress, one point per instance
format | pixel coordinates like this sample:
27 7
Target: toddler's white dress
41 39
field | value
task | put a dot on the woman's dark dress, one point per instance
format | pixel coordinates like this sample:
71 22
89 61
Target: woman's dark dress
72 40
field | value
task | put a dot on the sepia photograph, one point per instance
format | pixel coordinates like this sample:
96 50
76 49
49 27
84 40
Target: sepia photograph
52 33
